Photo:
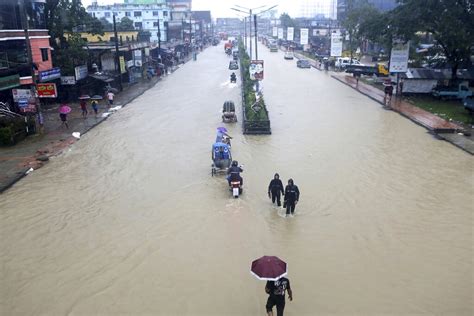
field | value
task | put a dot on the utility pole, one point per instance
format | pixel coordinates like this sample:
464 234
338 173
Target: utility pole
245 33
117 58
24 22
256 41
182 29
159 36
250 32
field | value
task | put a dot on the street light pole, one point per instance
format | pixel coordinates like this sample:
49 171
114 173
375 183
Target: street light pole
159 36
256 41
250 32
117 58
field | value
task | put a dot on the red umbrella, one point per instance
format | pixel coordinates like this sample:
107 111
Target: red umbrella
269 268
64 109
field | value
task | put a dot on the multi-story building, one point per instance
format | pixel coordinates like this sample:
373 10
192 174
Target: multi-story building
145 14
179 24
15 67
231 26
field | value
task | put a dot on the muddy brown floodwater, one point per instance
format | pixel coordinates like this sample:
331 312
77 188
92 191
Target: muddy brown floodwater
130 221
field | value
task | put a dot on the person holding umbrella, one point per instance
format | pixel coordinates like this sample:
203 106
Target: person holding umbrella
273 270
64 110
276 295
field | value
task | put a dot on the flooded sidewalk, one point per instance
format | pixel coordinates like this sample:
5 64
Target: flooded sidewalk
452 132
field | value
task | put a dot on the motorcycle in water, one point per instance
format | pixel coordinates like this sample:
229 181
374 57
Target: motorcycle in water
235 185
233 78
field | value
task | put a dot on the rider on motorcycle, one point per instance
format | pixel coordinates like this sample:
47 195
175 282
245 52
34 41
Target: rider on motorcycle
234 173
233 77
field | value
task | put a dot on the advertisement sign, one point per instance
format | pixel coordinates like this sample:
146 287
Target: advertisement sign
81 72
399 57
46 90
280 33
256 70
290 32
9 82
21 94
137 57
68 80
275 31
48 75
336 45
122 65
303 36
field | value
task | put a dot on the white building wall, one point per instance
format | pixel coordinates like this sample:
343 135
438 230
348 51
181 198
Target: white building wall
146 19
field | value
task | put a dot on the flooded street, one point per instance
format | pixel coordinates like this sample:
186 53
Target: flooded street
129 220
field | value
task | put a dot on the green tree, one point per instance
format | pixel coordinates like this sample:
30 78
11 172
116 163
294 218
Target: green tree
287 21
65 17
106 25
450 22
125 25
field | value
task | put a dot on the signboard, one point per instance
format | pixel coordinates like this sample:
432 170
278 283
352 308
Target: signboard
290 32
46 90
303 36
137 58
256 70
399 57
336 45
48 75
21 94
81 72
9 82
122 65
68 80
280 33
275 31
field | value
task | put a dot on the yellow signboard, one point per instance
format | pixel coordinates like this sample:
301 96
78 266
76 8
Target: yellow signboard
122 65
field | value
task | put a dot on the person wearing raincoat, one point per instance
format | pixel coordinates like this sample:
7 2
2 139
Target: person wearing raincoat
275 189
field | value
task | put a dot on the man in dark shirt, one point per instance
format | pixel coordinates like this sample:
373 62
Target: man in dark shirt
292 195
275 189
276 291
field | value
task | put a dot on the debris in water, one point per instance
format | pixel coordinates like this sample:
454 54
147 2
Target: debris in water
76 135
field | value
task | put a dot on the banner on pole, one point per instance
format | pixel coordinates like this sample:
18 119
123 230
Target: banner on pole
280 33
399 57
290 33
275 31
256 70
303 36
336 45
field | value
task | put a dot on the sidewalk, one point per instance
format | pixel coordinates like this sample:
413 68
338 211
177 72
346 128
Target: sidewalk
35 150
449 131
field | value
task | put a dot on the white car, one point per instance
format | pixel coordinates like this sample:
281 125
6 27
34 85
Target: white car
342 62
288 55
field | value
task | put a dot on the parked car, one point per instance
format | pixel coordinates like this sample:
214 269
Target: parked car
454 92
273 48
288 55
303 63
233 65
469 104
342 62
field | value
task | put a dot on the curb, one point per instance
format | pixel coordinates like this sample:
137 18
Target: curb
12 180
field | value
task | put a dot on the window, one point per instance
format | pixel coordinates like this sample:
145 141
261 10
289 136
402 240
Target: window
137 13
128 14
107 14
155 24
155 13
165 13
44 54
138 25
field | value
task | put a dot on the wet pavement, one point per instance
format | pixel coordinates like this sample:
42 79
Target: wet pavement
130 221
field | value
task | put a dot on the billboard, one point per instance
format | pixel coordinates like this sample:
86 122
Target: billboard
256 70
290 33
280 33
399 57
46 90
336 45
303 36
275 31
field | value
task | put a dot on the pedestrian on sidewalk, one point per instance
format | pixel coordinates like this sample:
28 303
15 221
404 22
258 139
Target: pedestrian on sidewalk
292 195
110 97
275 189
64 110
95 107
83 108
357 76
276 295
388 90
